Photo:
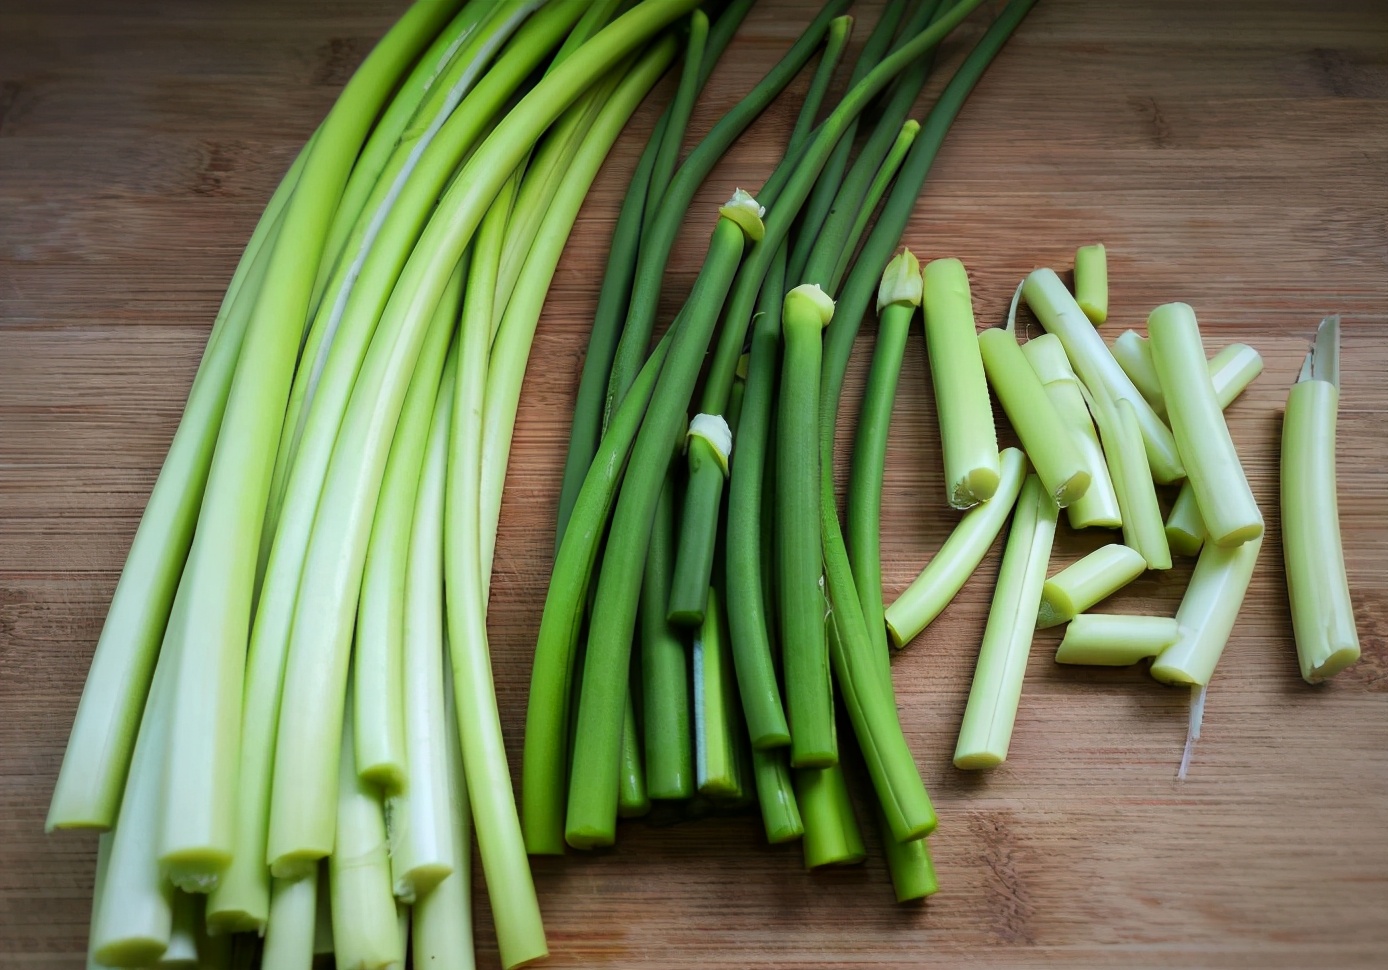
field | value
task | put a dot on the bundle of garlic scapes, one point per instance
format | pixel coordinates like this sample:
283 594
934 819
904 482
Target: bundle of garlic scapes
283 715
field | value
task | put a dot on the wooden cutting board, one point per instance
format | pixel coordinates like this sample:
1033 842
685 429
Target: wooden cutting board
1233 155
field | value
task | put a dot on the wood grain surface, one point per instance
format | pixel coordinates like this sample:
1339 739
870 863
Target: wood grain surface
1230 154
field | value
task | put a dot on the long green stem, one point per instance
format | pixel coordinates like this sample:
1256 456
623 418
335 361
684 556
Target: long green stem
316 667
659 238
591 819
947 572
677 115
1322 614
632 800
366 934
544 766
379 703
749 609
511 345
210 622
609 314
94 767
897 300
986 733
1226 502
422 852
716 725
664 665
805 649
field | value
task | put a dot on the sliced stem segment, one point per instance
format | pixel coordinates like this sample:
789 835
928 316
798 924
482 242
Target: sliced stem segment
1091 282
898 296
945 575
1112 640
831 835
1099 504
1226 502
1045 437
986 733
780 812
967 434
1081 584
1207 613
1062 316
804 645
1322 614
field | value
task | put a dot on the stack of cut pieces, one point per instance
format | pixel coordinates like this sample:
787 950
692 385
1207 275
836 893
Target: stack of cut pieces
1100 429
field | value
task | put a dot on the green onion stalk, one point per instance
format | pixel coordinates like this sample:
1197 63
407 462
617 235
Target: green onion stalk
210 620
242 904
1322 614
745 561
420 819
92 776
804 647
1114 640
665 667
710 438
609 315
544 766
1216 475
898 297
301 827
857 667
592 806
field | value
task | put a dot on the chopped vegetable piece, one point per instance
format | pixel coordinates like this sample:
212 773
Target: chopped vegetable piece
1207 613
1002 659
1322 614
945 575
1091 282
1226 502
1112 640
967 435
1080 585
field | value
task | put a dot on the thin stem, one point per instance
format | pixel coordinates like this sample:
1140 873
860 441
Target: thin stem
945 575
780 813
664 665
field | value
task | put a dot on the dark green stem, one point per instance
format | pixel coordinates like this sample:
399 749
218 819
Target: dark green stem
664 665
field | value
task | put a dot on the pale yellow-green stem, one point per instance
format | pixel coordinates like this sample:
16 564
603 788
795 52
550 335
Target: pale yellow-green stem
1121 435
1091 282
1002 659
1185 530
1080 585
293 922
1207 613
1045 436
1098 506
1113 640
967 434
1231 370
1212 465
1322 614
1062 316
945 575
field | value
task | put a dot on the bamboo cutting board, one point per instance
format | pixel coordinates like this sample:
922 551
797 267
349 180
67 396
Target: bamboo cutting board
1232 155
